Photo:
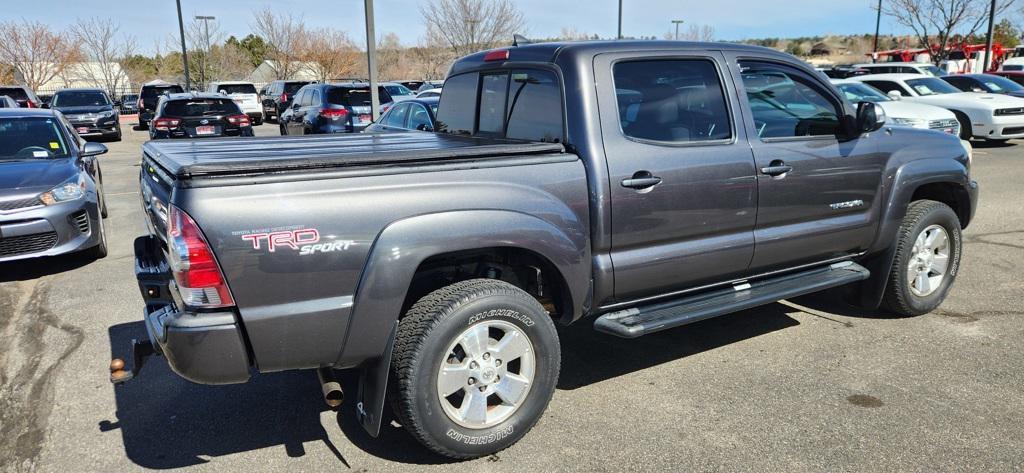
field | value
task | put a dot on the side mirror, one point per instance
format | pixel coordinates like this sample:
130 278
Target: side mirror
424 127
895 95
93 149
870 117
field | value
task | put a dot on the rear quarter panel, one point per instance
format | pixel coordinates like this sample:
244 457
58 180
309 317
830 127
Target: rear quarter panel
296 304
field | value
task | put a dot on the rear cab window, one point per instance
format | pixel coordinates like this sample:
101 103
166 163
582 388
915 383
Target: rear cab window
150 91
16 93
521 103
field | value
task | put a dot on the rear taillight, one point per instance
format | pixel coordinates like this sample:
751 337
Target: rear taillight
386 107
30 104
284 98
139 104
166 124
334 113
240 120
497 55
193 265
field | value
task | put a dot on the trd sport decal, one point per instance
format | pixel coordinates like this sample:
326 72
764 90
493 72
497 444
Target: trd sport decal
304 240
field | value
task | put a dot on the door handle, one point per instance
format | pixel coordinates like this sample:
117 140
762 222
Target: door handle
641 180
776 168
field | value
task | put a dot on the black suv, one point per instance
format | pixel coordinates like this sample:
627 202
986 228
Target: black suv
198 115
21 94
149 96
90 111
278 96
330 108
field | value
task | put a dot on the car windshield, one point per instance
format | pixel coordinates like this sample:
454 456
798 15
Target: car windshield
397 89
199 107
1000 85
935 71
857 93
931 86
237 88
31 138
157 90
79 99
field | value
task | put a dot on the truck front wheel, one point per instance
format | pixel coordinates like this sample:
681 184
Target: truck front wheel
474 367
929 245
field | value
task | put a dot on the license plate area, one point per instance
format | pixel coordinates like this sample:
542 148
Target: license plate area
205 130
82 129
365 118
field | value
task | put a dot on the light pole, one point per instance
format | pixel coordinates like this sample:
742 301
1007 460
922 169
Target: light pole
988 42
620 20
878 26
206 57
677 23
184 52
371 61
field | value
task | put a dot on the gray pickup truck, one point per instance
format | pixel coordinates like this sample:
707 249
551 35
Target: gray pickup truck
640 185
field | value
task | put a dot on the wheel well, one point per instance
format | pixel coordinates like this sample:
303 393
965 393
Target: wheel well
949 194
520 267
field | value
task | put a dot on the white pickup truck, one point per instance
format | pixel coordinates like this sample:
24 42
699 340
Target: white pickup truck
244 94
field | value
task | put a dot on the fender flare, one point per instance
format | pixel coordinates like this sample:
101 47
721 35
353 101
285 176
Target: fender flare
397 253
907 179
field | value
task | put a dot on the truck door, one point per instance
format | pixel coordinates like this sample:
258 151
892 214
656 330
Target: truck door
816 187
683 194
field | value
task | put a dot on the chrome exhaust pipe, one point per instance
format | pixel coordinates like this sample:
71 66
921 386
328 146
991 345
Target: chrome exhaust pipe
333 395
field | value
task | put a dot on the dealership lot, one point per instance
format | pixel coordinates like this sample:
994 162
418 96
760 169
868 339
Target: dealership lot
807 385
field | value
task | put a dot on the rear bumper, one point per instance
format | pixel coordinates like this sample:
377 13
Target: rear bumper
202 347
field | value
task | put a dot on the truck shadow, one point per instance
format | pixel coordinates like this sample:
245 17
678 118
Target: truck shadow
168 422
590 357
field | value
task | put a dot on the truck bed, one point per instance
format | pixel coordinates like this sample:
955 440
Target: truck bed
227 156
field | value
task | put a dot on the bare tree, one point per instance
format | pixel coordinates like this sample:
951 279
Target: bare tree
331 54
467 26
696 32
37 54
939 22
101 45
432 60
285 35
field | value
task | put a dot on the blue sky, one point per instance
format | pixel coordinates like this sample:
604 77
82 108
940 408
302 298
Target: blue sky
151 21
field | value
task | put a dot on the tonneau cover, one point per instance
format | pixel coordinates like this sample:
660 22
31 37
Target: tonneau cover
191 158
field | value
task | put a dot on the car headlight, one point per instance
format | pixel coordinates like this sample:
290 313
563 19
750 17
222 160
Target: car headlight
911 122
70 189
107 113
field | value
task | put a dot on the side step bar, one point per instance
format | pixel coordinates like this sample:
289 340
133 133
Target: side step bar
637 321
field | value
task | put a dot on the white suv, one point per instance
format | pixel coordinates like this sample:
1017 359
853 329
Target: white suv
244 94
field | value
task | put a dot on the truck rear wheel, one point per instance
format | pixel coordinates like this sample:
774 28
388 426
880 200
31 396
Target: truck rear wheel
474 367
929 245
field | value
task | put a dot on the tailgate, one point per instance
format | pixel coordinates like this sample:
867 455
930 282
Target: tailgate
155 185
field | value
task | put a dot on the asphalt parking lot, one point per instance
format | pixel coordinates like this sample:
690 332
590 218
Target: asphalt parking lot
808 385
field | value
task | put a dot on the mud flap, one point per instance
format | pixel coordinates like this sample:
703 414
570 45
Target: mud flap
373 384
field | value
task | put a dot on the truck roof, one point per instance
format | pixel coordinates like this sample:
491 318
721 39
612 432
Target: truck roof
571 50
220 156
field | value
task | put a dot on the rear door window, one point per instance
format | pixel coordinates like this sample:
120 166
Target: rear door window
674 100
396 117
